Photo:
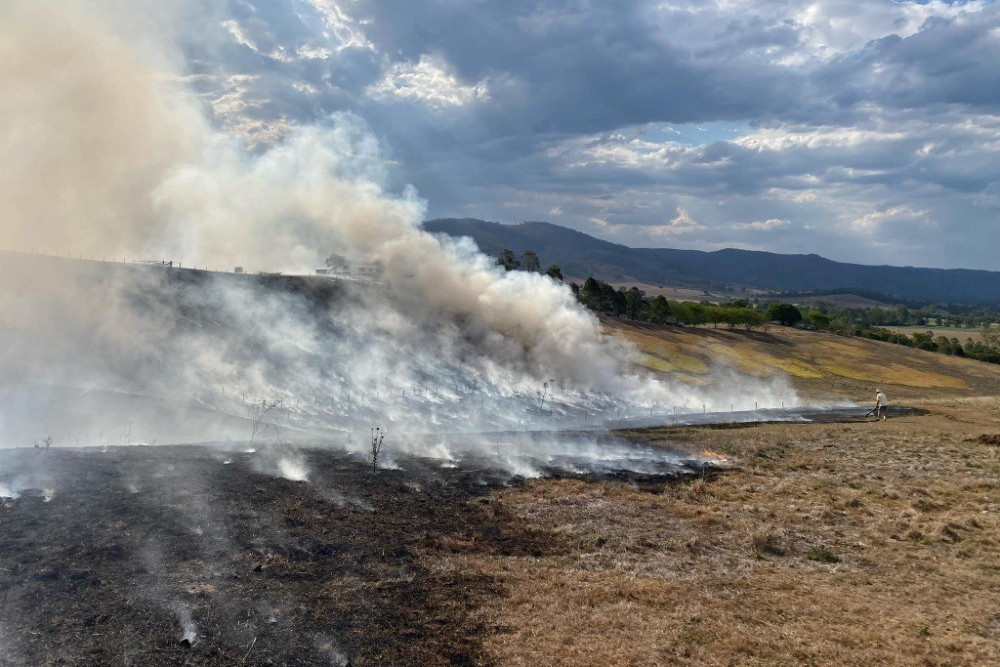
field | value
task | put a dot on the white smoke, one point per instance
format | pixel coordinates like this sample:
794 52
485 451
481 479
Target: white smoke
123 159
189 631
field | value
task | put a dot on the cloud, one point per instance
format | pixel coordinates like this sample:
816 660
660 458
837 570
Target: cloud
882 217
512 110
430 81
762 225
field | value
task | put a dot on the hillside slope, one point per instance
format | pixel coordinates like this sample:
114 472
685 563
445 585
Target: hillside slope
581 255
821 366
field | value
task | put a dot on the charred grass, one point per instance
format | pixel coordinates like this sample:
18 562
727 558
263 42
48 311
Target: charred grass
345 569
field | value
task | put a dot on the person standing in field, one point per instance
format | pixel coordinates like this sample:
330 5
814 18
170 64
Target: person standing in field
881 404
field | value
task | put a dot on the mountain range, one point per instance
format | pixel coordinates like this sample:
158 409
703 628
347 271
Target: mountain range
579 255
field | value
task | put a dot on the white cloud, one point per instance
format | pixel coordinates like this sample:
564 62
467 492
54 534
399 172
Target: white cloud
788 137
236 98
305 52
429 81
341 28
882 217
762 225
682 223
236 30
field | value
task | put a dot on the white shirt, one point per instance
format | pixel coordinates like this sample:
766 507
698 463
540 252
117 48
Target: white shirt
881 399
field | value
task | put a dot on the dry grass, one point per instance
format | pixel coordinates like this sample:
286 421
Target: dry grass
827 544
823 544
822 366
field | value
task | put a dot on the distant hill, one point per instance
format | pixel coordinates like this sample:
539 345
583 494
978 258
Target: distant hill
579 254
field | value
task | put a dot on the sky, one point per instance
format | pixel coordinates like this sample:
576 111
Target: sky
863 131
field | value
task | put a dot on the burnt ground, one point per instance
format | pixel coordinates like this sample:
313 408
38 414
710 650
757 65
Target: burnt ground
112 557
108 557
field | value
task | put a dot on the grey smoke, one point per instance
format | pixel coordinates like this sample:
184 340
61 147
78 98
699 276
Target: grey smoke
124 161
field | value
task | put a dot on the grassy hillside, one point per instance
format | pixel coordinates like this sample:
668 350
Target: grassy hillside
821 366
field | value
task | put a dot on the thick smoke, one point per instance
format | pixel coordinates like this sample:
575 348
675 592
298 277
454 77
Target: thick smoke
108 156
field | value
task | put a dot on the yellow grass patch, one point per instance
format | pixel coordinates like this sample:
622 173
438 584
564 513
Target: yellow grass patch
863 373
795 367
820 366
663 356
911 377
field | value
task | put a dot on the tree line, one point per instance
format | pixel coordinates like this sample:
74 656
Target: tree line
870 322
529 261
633 304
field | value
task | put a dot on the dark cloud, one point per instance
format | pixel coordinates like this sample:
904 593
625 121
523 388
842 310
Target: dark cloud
533 110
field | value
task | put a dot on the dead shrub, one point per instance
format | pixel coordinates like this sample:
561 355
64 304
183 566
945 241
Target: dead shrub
769 543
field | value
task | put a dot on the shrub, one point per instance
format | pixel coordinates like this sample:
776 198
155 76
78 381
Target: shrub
822 554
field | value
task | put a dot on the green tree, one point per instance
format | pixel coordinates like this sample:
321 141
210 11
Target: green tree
554 272
660 309
818 319
612 300
507 260
943 345
785 313
590 293
530 261
924 341
634 303
752 319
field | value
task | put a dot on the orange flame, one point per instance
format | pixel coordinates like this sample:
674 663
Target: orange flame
713 455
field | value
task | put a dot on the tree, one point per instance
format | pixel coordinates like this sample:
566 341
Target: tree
633 302
507 260
612 301
785 313
590 293
943 345
818 319
924 341
991 335
530 261
752 319
554 272
660 309
337 263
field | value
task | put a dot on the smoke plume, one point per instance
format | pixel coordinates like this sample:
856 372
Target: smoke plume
110 156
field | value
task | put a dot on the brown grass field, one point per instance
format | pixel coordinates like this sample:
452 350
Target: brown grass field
820 544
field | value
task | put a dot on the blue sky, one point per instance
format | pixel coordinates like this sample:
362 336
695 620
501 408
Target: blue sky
865 131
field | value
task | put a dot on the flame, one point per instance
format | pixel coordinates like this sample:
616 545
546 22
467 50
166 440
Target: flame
714 455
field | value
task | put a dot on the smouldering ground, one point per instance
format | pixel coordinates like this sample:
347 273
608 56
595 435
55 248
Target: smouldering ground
820 544
110 558
829 544
824 544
